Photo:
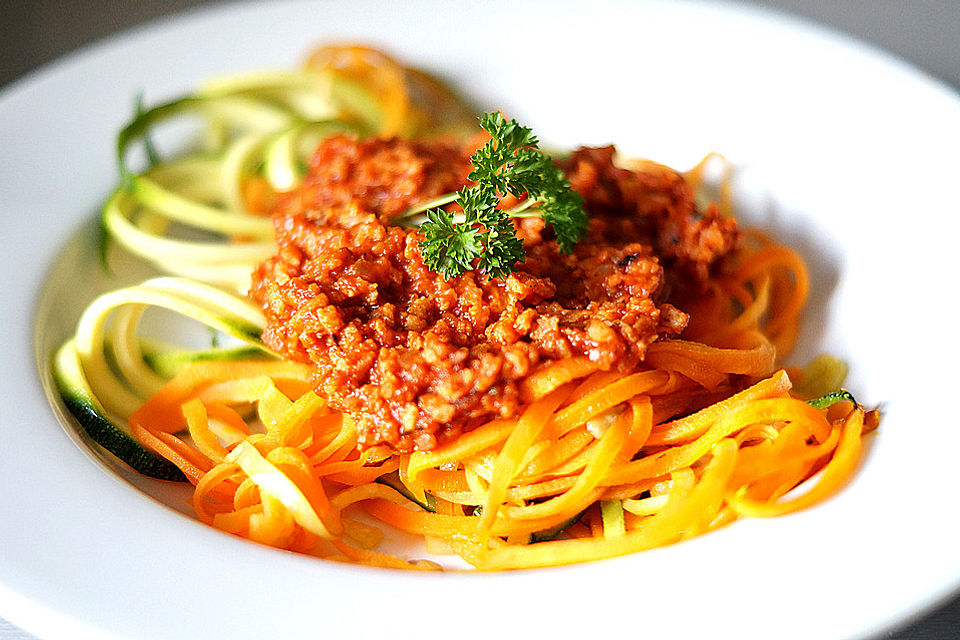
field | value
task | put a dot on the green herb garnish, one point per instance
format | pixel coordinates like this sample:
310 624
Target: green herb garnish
151 150
483 236
832 398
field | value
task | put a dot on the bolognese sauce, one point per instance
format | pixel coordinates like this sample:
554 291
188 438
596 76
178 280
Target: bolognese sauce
417 359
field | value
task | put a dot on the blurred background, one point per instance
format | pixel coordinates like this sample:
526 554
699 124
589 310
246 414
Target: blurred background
922 32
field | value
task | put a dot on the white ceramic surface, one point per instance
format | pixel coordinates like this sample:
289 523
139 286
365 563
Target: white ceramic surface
844 153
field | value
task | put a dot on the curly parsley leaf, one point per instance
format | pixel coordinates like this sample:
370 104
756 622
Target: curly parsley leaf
503 250
449 248
494 162
563 210
509 163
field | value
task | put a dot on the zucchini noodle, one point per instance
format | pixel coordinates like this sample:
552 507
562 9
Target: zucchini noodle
596 463
202 217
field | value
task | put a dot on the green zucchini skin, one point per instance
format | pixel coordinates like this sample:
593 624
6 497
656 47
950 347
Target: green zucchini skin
74 392
119 442
392 480
169 363
554 532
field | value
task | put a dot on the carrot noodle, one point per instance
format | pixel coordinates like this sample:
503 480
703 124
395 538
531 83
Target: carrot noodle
595 463
374 69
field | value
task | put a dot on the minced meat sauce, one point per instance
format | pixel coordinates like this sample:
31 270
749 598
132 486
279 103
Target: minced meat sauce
417 359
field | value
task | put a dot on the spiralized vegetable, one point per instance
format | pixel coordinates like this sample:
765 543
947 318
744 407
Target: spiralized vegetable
596 464
201 217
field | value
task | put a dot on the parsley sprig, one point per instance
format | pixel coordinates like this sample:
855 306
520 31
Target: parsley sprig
484 238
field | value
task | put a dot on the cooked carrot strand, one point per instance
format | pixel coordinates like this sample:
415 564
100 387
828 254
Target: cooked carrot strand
834 475
510 458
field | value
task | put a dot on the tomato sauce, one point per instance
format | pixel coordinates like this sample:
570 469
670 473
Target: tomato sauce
417 359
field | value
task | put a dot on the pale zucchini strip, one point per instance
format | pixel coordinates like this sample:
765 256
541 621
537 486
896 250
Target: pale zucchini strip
195 214
122 394
127 352
220 263
262 124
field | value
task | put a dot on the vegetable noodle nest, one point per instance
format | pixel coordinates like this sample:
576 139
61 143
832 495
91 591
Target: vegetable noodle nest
590 425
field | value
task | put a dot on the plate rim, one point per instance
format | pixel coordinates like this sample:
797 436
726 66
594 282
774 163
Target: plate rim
48 622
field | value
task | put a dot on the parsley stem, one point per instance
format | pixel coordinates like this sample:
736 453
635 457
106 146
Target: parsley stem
439 201
518 211
413 218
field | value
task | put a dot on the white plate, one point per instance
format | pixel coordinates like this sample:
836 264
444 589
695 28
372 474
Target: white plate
846 153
